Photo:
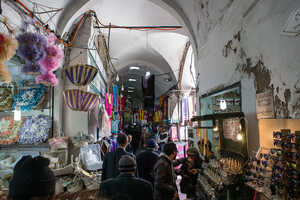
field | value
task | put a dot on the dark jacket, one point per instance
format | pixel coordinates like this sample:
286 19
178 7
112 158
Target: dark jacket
145 164
126 187
129 148
164 179
110 167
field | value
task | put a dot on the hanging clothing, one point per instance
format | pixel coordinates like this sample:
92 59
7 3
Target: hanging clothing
108 103
115 96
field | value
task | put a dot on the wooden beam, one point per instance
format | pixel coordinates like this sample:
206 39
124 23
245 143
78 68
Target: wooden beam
182 62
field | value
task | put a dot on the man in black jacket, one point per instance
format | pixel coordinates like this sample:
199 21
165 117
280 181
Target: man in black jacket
164 177
126 185
146 160
110 163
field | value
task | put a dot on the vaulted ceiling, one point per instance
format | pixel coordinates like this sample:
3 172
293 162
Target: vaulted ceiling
157 51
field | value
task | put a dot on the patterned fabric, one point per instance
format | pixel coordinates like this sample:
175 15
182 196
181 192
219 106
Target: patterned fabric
35 130
9 130
79 100
28 98
6 99
81 75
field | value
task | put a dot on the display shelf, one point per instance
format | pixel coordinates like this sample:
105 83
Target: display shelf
25 147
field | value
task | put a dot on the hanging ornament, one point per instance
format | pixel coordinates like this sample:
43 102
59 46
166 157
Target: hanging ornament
79 100
81 74
50 63
31 50
8 46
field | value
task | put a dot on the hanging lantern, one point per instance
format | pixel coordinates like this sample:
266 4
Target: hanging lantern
81 74
79 100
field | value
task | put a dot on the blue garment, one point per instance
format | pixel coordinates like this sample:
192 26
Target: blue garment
115 95
115 126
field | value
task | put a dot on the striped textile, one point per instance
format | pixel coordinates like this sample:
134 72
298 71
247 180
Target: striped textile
81 74
79 100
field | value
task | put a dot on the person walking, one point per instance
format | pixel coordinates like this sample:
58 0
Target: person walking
111 159
164 176
126 185
146 160
32 179
189 170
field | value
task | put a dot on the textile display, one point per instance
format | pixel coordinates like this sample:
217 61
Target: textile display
185 109
81 74
9 130
35 129
108 103
91 156
115 96
28 97
6 99
174 134
79 100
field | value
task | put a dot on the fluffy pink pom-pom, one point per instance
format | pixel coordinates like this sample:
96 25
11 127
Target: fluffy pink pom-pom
53 58
51 38
47 79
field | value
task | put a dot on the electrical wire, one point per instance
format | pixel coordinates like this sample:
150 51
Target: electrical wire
69 44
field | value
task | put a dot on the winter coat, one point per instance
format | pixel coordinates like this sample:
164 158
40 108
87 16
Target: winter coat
126 186
164 179
145 164
110 167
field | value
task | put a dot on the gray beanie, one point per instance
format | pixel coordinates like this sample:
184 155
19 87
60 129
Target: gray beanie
127 164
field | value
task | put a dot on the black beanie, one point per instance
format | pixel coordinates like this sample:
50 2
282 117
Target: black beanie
127 164
32 178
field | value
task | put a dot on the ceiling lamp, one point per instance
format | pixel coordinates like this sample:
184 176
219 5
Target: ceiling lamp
148 73
117 78
132 80
134 68
122 88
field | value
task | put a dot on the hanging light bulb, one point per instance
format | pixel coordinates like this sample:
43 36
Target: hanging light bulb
239 137
117 78
215 126
17 114
223 105
122 88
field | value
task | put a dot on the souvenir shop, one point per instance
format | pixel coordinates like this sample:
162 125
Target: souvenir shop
231 171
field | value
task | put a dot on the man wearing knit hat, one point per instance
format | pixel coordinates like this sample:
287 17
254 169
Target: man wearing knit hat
146 161
126 185
32 179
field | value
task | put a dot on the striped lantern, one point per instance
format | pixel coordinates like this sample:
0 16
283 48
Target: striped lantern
81 74
79 100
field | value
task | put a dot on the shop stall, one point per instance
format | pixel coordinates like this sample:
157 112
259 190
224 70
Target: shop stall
221 138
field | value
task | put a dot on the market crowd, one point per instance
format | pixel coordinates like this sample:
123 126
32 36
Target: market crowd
147 175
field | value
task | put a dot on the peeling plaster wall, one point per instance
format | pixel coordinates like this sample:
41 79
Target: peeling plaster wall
261 59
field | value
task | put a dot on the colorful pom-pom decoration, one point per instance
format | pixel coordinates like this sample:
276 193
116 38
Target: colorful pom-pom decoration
50 63
31 50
